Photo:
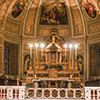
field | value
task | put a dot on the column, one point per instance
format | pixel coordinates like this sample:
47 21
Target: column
49 58
60 56
20 60
1 52
46 57
85 61
73 60
56 57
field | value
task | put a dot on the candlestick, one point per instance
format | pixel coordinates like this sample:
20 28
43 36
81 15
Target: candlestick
70 54
36 45
71 47
30 53
76 46
41 53
76 53
65 46
42 46
30 45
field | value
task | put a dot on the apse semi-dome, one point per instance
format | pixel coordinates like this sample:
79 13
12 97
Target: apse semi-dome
36 18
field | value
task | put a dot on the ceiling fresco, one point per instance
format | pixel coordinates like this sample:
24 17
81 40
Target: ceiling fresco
40 16
90 8
17 8
54 14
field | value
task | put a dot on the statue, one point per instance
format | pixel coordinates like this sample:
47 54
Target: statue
80 64
27 60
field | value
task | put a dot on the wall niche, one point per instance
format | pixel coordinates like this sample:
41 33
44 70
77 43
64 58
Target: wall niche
95 61
10 58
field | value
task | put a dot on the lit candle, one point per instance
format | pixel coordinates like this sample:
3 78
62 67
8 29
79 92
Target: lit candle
76 46
65 46
36 45
30 45
71 47
42 46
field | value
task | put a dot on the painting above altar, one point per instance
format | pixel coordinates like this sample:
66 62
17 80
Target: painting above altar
54 14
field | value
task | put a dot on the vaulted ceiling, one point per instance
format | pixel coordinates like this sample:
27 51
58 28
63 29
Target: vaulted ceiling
72 18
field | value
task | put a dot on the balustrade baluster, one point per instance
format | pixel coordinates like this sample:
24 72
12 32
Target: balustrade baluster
50 93
35 93
1 93
58 93
82 93
74 92
66 93
42 93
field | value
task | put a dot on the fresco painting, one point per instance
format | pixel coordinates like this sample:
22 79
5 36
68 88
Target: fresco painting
89 8
54 14
17 8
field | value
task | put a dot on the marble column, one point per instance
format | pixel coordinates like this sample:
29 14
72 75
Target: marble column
85 60
1 52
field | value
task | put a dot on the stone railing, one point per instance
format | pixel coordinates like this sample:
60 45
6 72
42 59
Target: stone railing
55 93
12 92
22 93
92 93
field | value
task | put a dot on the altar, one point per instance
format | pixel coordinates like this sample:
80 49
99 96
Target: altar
54 67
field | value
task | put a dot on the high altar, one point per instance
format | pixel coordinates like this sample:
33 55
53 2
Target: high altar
54 67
